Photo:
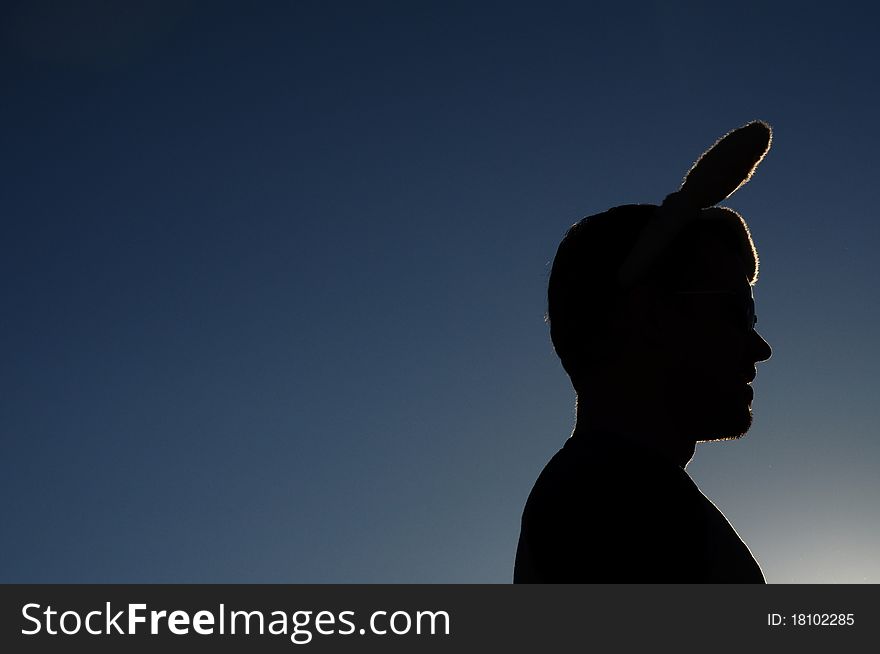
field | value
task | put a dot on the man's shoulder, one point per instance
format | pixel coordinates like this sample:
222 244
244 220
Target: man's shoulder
587 474
600 513
589 517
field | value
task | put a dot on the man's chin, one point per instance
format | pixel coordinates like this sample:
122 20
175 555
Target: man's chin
731 428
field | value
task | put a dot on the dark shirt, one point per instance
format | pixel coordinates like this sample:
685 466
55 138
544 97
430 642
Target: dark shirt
607 511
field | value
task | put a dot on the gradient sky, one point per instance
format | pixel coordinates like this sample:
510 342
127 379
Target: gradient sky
274 274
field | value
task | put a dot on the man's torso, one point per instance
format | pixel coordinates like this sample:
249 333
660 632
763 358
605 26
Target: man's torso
607 512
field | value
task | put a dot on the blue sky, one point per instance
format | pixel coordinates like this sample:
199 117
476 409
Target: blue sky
274 277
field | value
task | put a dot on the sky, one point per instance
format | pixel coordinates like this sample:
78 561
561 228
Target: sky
274 276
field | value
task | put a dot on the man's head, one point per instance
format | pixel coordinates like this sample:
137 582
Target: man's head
678 343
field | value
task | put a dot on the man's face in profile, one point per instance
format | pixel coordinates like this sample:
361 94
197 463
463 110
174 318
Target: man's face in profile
713 347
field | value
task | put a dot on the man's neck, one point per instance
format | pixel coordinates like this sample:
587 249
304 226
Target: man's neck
663 441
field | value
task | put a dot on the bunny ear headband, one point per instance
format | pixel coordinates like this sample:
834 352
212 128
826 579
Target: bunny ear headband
716 175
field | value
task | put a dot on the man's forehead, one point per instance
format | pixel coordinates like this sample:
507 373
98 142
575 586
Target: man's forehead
713 265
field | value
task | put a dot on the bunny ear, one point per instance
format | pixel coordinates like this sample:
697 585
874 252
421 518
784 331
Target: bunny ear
727 165
721 170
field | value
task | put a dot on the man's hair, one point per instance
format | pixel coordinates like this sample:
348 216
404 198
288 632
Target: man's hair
584 286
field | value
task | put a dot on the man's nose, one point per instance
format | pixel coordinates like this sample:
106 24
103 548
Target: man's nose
760 348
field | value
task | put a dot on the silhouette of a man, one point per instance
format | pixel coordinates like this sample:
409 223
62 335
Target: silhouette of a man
652 315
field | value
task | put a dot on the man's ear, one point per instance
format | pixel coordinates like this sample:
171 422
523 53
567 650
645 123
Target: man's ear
642 319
